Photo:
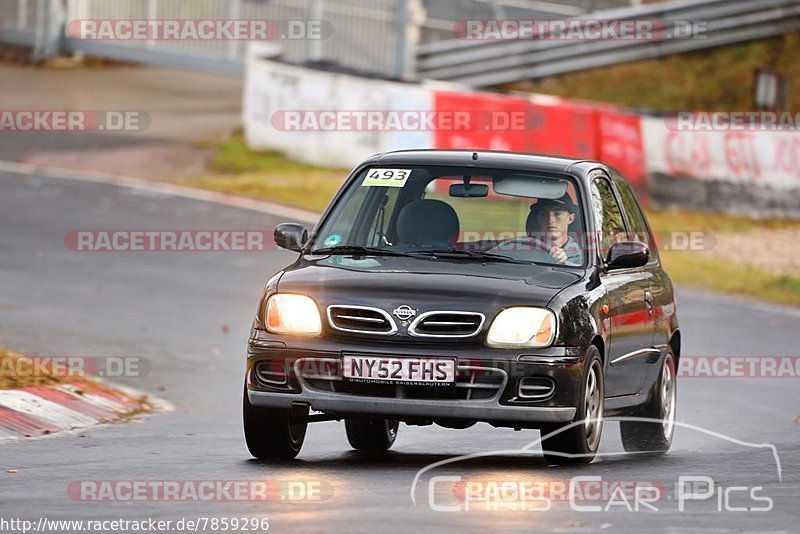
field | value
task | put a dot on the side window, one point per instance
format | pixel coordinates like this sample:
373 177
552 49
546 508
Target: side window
634 212
607 215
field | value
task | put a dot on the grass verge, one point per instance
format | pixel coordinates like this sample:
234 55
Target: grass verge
699 270
271 176
19 371
735 279
717 79
268 175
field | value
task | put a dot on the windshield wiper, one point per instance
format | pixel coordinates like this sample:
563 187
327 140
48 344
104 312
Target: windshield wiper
358 251
444 253
468 254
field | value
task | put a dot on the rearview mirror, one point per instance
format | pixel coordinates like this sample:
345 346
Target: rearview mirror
291 236
469 190
628 255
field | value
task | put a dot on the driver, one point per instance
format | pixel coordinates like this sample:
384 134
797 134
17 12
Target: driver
553 217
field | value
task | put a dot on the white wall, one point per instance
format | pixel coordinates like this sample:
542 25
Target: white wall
752 157
272 87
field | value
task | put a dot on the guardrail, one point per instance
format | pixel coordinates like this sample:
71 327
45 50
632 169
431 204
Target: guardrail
381 37
489 63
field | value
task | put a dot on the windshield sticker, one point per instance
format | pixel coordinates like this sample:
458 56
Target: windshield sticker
386 178
332 241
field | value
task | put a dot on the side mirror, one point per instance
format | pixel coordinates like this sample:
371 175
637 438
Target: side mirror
627 255
291 236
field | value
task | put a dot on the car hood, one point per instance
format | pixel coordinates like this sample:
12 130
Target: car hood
387 282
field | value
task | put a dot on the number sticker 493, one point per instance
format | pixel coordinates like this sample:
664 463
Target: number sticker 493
386 178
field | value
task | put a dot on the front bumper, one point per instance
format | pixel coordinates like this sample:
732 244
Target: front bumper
483 410
493 397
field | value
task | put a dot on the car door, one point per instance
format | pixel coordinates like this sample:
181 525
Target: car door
628 323
660 302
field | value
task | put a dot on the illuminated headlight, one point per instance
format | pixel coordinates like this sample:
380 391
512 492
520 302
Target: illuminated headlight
522 327
292 314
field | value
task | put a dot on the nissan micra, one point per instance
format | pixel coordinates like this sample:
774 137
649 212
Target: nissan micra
456 287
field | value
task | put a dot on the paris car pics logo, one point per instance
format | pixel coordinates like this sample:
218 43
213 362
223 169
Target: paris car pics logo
464 489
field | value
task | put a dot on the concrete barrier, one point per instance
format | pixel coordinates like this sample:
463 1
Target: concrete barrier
756 173
274 90
752 172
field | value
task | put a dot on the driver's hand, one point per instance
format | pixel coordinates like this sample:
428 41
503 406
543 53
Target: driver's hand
559 255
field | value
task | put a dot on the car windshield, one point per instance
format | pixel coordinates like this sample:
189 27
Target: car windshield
461 214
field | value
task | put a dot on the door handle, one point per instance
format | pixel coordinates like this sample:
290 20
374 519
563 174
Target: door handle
648 302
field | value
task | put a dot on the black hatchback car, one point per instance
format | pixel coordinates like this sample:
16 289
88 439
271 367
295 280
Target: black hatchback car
455 287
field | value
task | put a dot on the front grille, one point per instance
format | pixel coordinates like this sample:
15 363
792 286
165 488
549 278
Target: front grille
361 319
447 324
473 382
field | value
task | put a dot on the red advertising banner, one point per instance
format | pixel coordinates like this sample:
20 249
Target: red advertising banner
621 145
562 128
544 125
493 121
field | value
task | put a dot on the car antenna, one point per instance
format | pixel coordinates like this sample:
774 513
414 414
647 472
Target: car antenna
474 155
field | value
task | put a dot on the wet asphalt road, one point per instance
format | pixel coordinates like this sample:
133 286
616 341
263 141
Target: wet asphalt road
188 315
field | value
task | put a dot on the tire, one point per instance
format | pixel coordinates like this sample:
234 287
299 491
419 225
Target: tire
371 434
273 433
655 437
577 443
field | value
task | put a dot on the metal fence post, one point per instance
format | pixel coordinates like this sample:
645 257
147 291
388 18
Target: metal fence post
38 30
315 10
408 18
151 13
22 12
232 14
50 20
401 38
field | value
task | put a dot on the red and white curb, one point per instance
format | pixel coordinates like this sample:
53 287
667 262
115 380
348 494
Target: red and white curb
41 410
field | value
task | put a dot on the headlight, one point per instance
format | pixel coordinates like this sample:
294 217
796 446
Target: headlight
522 327
292 314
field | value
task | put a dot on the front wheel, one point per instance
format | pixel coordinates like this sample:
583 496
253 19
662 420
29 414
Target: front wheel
371 434
577 443
274 433
654 436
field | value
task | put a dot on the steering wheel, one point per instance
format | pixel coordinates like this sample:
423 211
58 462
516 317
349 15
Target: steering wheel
529 241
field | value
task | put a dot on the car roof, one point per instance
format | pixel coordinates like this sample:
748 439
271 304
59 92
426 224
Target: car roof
486 158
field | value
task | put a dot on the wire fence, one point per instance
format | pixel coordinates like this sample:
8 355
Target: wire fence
372 37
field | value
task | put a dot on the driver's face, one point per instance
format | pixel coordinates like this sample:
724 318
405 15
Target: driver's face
555 221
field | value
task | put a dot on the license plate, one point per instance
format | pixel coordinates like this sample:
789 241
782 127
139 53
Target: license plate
420 371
